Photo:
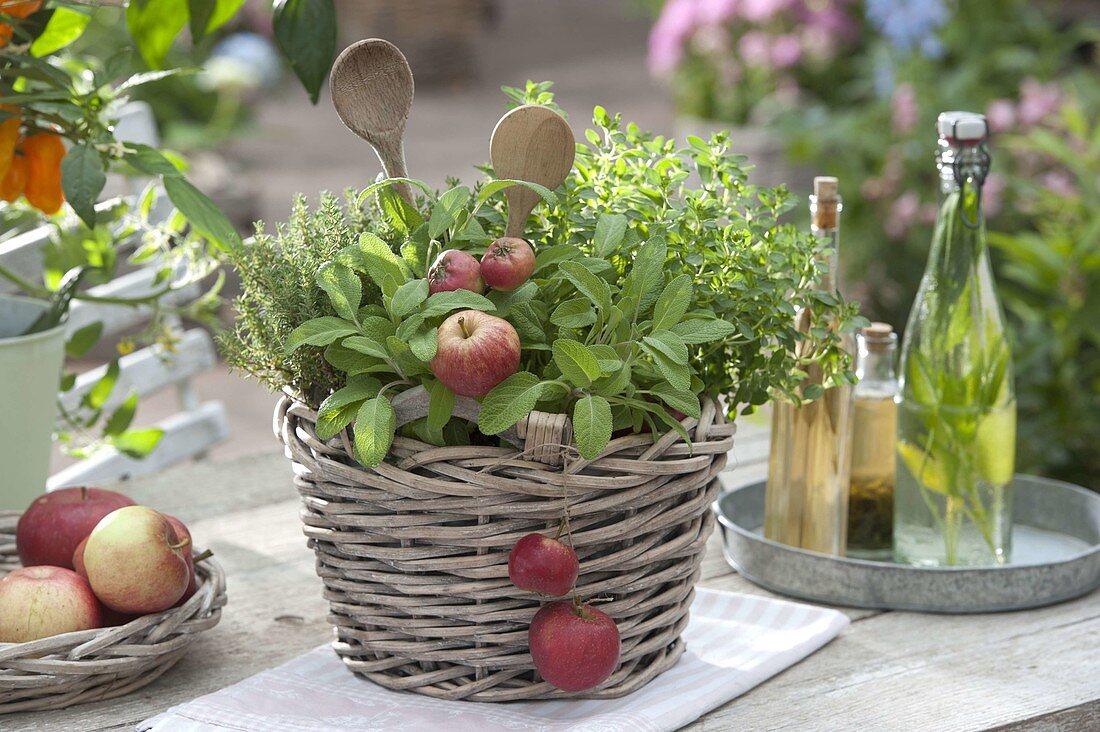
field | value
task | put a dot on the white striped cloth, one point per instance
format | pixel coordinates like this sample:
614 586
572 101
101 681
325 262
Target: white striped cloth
734 642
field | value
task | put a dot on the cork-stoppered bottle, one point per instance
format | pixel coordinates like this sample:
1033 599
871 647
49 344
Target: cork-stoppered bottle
806 502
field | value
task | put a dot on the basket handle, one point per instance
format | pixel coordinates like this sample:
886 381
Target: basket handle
540 434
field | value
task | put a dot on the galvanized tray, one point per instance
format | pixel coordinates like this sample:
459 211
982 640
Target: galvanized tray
1055 557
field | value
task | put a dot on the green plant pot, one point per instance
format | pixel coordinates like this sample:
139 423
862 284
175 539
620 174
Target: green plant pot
30 368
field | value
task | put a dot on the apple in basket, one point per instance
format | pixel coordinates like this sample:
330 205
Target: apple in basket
56 522
507 263
541 564
136 563
575 647
184 534
476 352
40 601
455 270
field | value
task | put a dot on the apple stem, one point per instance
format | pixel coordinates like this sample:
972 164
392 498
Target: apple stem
180 544
462 325
83 492
204 556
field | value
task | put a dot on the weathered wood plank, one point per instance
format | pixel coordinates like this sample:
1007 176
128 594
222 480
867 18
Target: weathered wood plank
186 435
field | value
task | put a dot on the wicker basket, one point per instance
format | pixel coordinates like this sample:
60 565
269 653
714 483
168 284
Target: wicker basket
90 665
414 553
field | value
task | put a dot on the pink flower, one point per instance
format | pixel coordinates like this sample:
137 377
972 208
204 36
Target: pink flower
786 50
904 108
757 11
993 194
755 48
1059 183
833 21
902 214
717 12
1038 101
711 40
677 23
1001 114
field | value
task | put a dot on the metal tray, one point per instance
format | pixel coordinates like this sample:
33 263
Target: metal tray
1055 557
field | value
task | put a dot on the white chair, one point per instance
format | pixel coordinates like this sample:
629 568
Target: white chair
197 426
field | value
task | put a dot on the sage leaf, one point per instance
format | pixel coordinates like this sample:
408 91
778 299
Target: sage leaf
703 331
408 297
509 402
441 404
339 408
669 344
673 303
591 425
574 313
366 346
424 343
587 284
373 257
610 230
607 356
444 302
643 283
493 187
577 364
375 424
446 209
343 288
319 332
681 400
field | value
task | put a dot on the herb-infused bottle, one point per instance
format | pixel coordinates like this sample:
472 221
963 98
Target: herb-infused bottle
806 501
874 440
956 403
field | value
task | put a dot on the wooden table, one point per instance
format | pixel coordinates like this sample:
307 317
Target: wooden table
1035 670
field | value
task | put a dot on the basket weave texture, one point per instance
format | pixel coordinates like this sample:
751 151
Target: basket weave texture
91 665
414 553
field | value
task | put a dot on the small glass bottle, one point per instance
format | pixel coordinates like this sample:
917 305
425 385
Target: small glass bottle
956 398
806 501
874 457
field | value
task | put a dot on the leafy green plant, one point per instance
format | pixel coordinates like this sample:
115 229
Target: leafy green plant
647 294
1050 283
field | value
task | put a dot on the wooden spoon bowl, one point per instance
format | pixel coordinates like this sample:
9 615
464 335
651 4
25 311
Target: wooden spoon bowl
535 144
372 89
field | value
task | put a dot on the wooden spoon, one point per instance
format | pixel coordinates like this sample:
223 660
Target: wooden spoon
535 144
372 90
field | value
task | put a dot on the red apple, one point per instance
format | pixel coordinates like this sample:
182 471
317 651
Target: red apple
455 270
185 534
542 564
135 562
507 263
574 648
37 602
56 522
476 352
78 558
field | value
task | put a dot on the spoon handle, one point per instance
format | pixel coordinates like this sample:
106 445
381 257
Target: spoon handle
521 201
391 152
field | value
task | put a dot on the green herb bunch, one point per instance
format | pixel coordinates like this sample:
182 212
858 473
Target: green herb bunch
649 292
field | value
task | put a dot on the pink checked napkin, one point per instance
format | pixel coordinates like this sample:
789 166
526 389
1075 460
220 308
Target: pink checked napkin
734 642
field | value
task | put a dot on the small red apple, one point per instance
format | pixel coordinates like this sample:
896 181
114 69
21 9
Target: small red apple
542 564
40 601
476 352
185 534
575 648
56 522
135 562
455 270
507 263
78 558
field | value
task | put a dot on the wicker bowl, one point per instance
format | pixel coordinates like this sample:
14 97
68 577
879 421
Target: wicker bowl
90 665
414 553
